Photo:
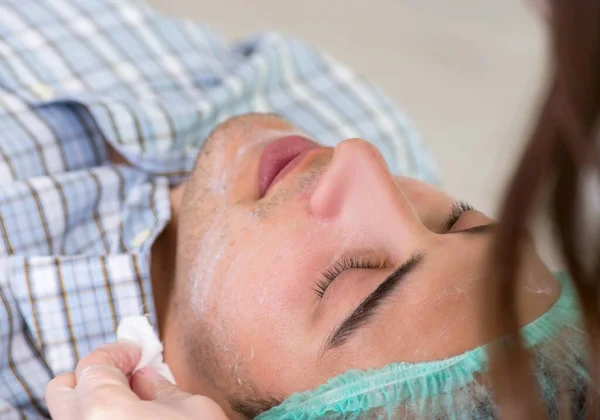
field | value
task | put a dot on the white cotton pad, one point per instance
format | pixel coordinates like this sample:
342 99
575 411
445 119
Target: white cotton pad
138 329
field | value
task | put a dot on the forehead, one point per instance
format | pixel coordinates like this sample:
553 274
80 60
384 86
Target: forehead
434 313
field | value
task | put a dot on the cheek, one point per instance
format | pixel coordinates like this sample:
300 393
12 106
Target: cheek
262 290
280 252
266 271
270 272
265 303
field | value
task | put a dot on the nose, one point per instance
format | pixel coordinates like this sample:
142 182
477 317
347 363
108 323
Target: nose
358 191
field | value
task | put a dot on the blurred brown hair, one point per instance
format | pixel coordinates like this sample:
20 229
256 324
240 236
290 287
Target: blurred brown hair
561 155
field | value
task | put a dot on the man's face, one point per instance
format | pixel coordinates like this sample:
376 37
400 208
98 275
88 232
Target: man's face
340 265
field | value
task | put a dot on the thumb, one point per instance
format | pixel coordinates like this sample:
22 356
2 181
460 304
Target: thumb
149 385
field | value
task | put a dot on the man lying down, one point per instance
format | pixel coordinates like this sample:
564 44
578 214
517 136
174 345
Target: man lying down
149 168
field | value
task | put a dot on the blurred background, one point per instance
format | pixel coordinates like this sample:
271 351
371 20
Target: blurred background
467 73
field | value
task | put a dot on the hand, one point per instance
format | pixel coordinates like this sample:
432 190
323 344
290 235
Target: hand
100 389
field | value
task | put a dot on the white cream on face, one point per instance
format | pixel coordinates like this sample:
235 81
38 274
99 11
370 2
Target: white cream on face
226 166
218 279
211 244
538 288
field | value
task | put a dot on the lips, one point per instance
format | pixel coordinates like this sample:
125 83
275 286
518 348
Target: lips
279 158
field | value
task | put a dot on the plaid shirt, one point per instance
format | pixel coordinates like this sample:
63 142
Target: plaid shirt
76 230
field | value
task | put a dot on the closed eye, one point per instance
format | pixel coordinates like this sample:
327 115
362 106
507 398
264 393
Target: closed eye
457 210
341 265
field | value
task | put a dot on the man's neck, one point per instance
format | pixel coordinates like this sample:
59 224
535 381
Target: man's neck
162 265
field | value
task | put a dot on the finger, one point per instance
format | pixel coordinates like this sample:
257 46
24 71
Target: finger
120 357
62 381
60 385
59 392
149 385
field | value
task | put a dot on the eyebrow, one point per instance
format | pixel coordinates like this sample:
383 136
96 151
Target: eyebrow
366 309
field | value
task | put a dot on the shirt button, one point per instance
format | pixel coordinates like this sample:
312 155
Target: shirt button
43 91
141 237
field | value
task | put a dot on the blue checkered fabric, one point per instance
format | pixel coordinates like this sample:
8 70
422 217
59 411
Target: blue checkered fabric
76 230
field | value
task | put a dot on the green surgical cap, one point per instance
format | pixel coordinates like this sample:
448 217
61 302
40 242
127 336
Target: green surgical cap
455 388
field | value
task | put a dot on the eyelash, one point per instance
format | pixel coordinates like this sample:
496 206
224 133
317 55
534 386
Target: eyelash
349 263
346 263
458 208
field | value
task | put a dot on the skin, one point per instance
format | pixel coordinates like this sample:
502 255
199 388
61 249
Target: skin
104 385
240 316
